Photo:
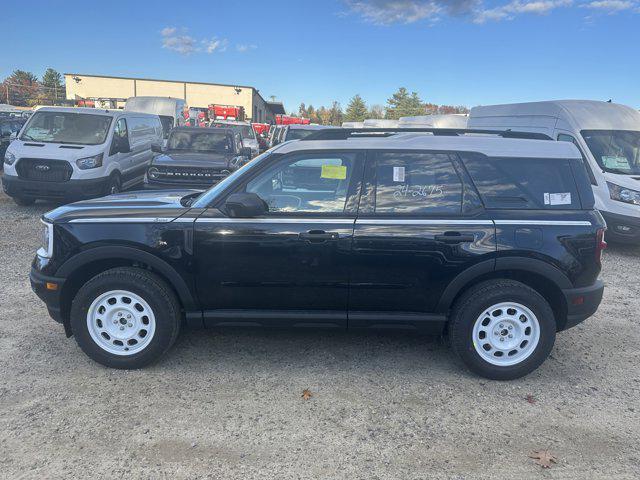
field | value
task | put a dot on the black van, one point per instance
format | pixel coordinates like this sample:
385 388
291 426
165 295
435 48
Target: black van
493 241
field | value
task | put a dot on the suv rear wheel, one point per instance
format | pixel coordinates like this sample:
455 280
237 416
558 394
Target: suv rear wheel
502 329
125 318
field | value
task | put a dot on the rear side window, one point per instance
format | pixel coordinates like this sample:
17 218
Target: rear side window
416 183
523 183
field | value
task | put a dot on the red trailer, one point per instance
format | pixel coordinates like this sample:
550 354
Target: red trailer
289 120
260 128
226 112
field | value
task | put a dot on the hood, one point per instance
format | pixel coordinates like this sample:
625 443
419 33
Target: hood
192 159
161 206
626 181
53 151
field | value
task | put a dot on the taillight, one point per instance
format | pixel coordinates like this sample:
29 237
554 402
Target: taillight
600 244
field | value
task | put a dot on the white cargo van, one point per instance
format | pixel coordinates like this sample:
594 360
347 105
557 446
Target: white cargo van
170 110
66 153
607 135
454 120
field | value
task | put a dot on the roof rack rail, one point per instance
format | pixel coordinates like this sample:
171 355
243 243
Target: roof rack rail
345 133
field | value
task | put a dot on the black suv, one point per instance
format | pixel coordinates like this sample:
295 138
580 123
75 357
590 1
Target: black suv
196 158
493 241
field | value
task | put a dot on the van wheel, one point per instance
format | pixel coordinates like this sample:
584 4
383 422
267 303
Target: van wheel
125 318
114 185
502 329
24 201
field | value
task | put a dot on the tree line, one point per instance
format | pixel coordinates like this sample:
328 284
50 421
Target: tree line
400 104
24 89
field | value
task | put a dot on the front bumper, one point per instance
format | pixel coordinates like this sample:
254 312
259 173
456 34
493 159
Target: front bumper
70 190
154 185
43 286
582 303
622 228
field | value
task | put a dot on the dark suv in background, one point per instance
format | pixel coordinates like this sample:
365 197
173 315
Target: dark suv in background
493 241
196 158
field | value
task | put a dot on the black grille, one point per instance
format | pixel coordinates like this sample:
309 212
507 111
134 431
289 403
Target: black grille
192 175
44 170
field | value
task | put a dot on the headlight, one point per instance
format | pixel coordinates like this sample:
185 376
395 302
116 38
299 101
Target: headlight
153 173
46 248
623 194
90 162
9 158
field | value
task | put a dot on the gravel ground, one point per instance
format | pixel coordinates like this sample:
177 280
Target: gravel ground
227 404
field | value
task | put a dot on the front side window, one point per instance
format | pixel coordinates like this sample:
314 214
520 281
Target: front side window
120 133
523 183
298 133
417 183
67 127
218 142
311 184
167 124
616 151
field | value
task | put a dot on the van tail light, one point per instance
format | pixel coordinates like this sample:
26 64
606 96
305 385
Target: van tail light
600 244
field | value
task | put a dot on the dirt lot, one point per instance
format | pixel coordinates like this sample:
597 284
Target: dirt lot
227 404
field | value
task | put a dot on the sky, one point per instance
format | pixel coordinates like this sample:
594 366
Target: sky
456 52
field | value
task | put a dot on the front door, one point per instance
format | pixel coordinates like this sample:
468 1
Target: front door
419 226
291 266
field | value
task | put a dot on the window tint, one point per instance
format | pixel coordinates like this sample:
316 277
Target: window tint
310 184
417 183
563 137
523 183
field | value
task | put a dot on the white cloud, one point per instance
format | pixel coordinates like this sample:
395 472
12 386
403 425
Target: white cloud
387 12
245 48
177 40
612 6
517 7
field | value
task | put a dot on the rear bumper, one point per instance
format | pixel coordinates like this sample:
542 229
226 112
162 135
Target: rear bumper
582 303
622 228
58 191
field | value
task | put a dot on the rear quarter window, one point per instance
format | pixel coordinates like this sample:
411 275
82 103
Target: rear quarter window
523 183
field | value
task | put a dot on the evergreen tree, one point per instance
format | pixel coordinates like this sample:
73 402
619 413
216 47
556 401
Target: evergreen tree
356 110
403 104
52 85
20 88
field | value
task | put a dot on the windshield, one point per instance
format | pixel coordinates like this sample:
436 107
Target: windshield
207 197
298 133
616 151
246 131
67 127
200 141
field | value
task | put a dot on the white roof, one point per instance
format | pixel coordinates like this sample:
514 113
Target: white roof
381 122
585 114
92 111
490 145
454 120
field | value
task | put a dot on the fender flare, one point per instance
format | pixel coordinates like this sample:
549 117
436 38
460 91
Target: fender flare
128 253
539 267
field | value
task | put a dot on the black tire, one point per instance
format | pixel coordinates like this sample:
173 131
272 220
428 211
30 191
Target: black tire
471 305
24 201
115 185
149 287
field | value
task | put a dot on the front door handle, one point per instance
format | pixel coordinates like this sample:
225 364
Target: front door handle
454 237
318 236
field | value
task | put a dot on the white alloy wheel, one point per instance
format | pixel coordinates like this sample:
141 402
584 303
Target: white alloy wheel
506 334
121 322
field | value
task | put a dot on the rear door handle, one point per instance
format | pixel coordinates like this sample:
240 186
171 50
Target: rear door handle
454 237
318 236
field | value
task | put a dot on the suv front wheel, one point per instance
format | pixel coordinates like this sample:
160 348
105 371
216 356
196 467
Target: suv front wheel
125 318
502 329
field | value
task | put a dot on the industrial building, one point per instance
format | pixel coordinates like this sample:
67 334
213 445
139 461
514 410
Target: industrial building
112 92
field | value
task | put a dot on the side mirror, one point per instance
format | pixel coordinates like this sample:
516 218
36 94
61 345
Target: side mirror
245 205
156 148
245 152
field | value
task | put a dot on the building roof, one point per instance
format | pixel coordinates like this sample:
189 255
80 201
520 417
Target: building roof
493 146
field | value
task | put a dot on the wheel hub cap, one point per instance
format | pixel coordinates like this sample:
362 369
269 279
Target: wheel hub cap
506 334
121 322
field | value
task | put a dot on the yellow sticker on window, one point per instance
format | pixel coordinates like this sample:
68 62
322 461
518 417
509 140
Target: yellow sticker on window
338 172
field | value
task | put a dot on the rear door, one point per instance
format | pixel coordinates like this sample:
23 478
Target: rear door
420 224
